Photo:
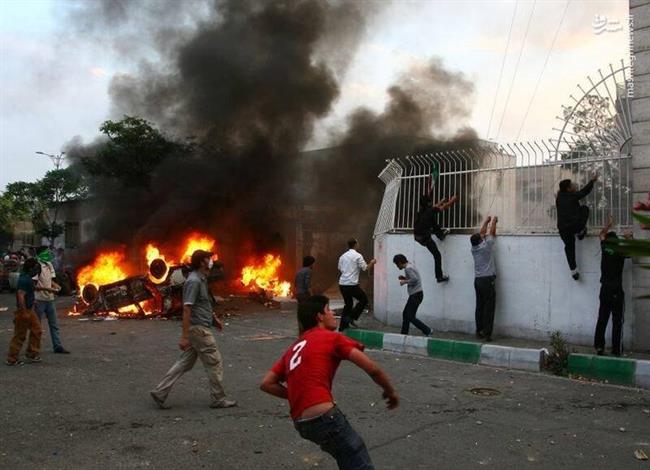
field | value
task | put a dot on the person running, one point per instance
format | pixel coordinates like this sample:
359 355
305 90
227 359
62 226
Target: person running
302 284
612 297
304 376
351 263
413 284
197 340
572 218
484 277
46 289
25 319
427 224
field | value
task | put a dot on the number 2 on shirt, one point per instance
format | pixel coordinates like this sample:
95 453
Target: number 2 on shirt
296 359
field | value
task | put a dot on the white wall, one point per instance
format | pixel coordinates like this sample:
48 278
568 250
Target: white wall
535 292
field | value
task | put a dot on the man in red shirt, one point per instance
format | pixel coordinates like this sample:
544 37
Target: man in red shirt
307 368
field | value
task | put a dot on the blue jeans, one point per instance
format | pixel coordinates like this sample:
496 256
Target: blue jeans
45 308
332 432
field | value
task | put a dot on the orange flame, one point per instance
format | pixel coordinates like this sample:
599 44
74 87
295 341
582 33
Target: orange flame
197 241
264 275
152 253
106 268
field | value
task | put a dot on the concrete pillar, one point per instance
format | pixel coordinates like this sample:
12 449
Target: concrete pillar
640 106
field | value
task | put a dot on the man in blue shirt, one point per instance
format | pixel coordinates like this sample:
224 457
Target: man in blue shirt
25 318
302 287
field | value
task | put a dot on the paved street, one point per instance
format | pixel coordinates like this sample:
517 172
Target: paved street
92 409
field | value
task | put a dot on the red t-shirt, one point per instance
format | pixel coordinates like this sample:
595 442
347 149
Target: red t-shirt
309 365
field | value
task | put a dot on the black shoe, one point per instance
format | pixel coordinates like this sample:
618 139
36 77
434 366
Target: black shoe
616 353
61 351
443 233
582 233
600 352
576 276
480 335
442 279
353 324
488 339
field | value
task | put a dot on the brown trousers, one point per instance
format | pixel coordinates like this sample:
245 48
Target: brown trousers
25 320
204 347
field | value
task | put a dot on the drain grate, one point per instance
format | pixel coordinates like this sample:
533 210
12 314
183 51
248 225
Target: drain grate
484 392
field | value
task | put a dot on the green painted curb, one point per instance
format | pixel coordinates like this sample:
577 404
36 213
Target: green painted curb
371 339
463 351
613 369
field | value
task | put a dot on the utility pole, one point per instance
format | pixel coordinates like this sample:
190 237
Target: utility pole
57 160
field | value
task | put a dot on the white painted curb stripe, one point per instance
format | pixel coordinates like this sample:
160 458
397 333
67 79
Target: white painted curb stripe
512 358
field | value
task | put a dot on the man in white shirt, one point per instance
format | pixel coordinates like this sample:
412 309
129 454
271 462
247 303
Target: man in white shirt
351 263
46 289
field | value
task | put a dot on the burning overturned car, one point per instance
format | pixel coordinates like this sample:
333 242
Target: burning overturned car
107 286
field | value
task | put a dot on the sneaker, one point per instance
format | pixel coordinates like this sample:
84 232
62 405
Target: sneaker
34 360
443 234
159 402
223 404
582 233
442 279
488 339
575 275
14 363
600 352
61 350
480 335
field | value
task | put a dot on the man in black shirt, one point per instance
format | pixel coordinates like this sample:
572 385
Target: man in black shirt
612 298
426 225
572 218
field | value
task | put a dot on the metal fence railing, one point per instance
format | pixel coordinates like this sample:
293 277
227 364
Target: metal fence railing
517 182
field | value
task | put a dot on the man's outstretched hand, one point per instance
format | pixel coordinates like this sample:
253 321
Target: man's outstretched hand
392 400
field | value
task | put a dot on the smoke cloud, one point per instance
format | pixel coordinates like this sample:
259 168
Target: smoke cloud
248 80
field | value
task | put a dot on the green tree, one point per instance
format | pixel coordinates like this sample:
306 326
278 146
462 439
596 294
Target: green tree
40 201
134 148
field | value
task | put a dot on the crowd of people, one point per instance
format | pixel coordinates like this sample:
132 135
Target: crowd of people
304 373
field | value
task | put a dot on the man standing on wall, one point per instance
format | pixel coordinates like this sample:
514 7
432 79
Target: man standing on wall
351 263
304 376
46 289
197 339
572 218
612 297
484 277
427 224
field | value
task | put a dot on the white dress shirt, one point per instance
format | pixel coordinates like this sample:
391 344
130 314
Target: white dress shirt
351 263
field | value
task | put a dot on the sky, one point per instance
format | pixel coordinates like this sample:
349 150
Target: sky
53 89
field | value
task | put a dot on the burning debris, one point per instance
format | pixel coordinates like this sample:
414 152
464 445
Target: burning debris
109 285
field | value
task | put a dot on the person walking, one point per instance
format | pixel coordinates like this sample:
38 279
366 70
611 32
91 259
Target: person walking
484 277
197 340
612 297
351 263
427 224
304 376
413 283
572 218
46 289
25 319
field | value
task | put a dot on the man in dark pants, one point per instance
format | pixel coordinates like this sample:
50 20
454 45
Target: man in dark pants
572 218
351 263
484 277
304 376
413 284
612 297
426 225
302 284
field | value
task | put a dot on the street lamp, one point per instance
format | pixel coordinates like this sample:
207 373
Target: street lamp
56 159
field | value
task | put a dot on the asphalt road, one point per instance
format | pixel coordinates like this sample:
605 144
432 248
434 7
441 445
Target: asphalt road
92 409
